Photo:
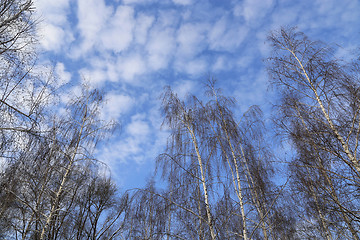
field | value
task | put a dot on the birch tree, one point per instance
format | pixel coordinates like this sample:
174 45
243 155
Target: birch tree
54 185
319 113
22 94
214 162
47 163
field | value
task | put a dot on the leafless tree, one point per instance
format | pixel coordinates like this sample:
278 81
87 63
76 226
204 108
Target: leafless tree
17 59
23 94
319 113
54 185
99 211
217 168
147 215
50 184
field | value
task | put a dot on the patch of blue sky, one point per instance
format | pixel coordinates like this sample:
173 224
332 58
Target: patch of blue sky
133 48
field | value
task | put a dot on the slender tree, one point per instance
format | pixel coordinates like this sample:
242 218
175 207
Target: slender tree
53 183
319 112
22 96
214 162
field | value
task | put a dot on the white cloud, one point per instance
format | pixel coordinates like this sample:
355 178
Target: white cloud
94 77
112 70
226 36
331 14
63 76
53 29
92 17
53 38
139 1
122 68
116 105
53 11
102 68
193 67
284 17
183 2
143 23
222 63
134 1
168 18
133 145
138 128
253 11
118 33
131 66
191 39
160 47
183 88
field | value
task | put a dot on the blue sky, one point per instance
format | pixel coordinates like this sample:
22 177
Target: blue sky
133 48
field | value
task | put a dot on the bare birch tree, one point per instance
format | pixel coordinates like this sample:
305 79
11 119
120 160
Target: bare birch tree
214 162
54 185
319 112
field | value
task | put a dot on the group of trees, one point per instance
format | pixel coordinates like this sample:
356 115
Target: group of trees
319 114
51 187
218 173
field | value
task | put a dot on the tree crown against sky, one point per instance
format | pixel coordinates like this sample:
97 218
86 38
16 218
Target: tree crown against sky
217 166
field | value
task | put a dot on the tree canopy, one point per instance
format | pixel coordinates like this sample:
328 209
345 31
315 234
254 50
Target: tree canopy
217 178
